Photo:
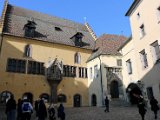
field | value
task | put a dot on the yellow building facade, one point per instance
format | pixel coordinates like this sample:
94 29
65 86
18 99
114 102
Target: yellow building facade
29 63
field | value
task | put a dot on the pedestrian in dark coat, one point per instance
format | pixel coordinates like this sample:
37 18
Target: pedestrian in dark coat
154 106
51 112
141 107
19 110
42 111
11 108
106 104
61 113
36 107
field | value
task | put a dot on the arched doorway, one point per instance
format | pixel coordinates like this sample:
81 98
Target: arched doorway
77 100
114 89
94 100
45 97
133 90
5 95
29 96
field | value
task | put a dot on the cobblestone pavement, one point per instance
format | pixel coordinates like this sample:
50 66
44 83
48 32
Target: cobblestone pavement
97 113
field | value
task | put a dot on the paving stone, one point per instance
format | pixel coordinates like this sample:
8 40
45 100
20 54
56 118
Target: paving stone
97 113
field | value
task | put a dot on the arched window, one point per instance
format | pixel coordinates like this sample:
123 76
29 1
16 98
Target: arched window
62 98
5 95
28 51
77 58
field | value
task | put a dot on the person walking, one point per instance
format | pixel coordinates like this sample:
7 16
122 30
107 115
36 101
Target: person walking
154 106
27 109
141 107
51 112
11 108
61 113
19 110
36 107
106 104
42 111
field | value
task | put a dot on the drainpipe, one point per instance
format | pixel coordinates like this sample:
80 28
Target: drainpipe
101 80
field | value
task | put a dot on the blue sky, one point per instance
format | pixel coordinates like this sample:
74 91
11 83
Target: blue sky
104 16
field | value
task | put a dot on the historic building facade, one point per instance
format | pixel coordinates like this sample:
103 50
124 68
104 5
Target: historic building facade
105 70
141 52
44 56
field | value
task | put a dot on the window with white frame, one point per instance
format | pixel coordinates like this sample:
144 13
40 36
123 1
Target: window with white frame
144 61
91 73
155 51
28 51
129 66
119 62
142 31
77 58
95 71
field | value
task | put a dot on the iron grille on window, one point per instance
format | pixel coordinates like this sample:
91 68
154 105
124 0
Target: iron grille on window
16 65
69 71
35 67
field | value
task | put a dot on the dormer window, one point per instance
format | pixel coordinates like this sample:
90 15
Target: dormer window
58 29
29 28
77 38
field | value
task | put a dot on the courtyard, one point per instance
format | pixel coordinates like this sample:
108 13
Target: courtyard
97 113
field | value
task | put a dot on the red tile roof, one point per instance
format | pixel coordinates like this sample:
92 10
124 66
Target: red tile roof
108 44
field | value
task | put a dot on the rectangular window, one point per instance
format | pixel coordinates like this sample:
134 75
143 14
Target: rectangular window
155 51
35 68
86 73
129 66
95 71
80 75
15 65
158 14
144 61
138 16
91 73
119 62
142 31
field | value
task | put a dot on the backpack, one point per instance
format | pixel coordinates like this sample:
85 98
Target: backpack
26 107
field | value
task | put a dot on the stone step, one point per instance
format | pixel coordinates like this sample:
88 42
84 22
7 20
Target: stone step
119 102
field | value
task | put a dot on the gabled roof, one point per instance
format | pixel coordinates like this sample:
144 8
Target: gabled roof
17 17
108 44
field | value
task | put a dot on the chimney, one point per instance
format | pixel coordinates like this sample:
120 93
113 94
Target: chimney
3 16
91 31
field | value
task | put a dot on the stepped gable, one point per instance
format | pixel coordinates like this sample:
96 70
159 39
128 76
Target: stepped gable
17 17
108 44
